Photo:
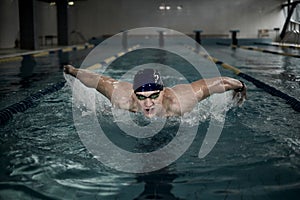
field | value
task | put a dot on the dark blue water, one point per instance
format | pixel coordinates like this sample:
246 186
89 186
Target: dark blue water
19 79
256 157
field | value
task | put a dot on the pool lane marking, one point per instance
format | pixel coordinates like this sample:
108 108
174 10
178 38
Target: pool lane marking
68 49
7 113
11 59
293 102
227 66
46 53
40 53
108 60
285 45
95 66
282 45
120 54
266 51
216 61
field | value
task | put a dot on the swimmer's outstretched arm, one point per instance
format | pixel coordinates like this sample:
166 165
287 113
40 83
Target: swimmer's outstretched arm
205 87
103 84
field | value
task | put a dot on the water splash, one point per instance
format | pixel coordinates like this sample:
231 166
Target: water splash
88 100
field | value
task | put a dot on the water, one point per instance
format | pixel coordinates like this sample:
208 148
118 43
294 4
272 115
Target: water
19 79
256 156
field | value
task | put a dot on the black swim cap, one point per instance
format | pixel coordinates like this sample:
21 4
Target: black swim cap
147 80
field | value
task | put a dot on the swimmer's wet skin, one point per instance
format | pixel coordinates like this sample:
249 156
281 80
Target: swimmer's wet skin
148 94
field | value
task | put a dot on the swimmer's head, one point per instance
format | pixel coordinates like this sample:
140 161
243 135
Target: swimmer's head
147 80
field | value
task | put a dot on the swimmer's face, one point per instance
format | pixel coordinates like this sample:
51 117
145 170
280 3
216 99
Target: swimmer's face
150 102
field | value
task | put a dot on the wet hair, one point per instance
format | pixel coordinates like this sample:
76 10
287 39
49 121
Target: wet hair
147 80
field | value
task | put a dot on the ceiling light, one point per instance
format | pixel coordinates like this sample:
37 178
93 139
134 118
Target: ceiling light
161 7
179 7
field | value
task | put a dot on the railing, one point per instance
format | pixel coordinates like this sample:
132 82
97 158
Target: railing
294 25
292 34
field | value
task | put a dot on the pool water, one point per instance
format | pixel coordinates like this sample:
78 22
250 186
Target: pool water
19 79
256 157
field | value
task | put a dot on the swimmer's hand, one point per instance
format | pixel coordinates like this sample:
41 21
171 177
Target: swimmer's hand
240 94
69 69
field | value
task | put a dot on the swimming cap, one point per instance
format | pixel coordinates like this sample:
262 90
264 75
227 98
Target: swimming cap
147 80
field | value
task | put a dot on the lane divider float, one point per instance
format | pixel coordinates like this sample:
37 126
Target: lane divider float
282 45
266 51
7 113
39 53
111 58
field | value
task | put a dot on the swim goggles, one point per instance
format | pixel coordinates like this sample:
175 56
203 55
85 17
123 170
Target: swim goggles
152 96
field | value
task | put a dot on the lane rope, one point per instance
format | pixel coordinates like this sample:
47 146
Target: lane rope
266 51
39 53
293 102
260 50
7 113
282 45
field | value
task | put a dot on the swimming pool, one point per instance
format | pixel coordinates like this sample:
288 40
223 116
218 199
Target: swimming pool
256 157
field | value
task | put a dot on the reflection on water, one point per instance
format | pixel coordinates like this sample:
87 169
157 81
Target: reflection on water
64 58
27 71
157 185
27 66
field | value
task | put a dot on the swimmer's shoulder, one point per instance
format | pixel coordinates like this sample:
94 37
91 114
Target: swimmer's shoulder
122 96
171 103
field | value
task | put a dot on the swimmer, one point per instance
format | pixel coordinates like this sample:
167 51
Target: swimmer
148 95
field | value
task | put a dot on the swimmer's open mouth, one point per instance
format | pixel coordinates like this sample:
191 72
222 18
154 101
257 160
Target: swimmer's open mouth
148 110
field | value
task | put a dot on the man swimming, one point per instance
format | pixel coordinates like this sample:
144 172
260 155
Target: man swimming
148 95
